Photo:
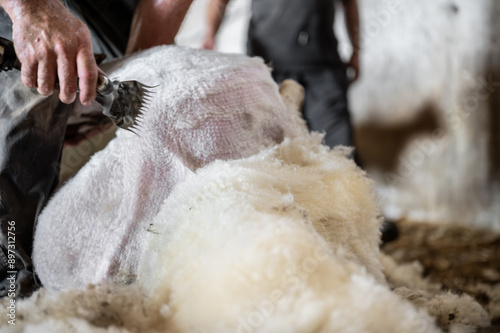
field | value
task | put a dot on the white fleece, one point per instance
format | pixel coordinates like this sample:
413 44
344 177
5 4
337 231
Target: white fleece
286 240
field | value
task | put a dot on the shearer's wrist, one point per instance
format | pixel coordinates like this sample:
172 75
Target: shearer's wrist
19 9
16 9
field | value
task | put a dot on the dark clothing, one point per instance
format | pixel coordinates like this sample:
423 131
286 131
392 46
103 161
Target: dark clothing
296 38
293 32
32 130
108 21
325 103
32 134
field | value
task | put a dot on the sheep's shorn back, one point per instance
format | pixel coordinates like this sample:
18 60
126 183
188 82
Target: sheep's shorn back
206 106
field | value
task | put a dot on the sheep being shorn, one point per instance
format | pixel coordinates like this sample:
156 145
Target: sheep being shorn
205 107
224 215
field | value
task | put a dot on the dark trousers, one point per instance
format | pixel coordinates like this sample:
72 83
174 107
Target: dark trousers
325 104
32 130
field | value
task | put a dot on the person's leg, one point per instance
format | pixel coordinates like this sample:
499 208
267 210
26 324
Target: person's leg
326 107
325 104
32 131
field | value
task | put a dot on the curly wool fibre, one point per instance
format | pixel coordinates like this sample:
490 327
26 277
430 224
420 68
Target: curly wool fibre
243 246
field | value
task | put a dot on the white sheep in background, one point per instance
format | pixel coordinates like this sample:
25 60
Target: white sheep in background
226 213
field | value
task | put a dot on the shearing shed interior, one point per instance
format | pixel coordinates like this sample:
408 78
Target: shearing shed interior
227 214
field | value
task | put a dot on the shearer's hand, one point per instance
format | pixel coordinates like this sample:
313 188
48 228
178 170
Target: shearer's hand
52 43
208 43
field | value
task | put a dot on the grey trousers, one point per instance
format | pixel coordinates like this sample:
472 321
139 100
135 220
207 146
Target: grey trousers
325 108
325 104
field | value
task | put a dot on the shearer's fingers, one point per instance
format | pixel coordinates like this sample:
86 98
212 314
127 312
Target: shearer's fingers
29 73
87 75
66 71
46 75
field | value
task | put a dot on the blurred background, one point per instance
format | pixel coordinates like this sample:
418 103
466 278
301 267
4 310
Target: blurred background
426 108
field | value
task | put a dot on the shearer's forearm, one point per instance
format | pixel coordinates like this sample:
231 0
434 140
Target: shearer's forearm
156 22
215 15
11 6
16 8
352 22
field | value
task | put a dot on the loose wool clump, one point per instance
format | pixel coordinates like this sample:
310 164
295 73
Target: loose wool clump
454 313
104 308
460 313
